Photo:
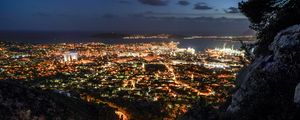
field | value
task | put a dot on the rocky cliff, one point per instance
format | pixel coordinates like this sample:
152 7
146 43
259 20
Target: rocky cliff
20 103
266 89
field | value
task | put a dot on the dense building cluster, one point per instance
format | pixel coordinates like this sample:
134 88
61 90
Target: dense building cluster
153 80
154 36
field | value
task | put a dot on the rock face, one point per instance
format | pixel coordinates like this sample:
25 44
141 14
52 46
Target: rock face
266 89
297 94
20 103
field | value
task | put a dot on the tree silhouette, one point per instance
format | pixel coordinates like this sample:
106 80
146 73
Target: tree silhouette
268 17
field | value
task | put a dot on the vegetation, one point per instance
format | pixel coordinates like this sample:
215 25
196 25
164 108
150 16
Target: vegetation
18 102
268 17
266 87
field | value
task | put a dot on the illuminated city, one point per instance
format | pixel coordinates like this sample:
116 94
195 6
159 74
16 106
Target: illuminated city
149 60
127 77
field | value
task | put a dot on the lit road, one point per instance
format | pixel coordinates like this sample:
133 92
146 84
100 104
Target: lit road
172 72
120 112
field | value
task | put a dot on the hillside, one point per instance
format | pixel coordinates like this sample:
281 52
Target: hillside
266 88
18 102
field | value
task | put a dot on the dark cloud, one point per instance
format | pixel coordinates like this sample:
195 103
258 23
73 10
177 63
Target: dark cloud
232 10
136 15
143 14
125 2
185 17
109 16
42 14
207 19
157 15
202 6
183 2
155 2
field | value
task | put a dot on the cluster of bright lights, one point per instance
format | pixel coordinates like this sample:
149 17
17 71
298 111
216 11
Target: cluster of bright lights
70 56
229 51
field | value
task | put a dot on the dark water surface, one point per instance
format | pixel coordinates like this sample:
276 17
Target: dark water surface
77 37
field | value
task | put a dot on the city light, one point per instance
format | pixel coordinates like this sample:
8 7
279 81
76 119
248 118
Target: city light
102 73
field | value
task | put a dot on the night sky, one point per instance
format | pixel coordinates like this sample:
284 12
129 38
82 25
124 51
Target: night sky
173 16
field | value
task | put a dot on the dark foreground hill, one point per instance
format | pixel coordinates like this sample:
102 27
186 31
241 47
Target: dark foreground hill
18 102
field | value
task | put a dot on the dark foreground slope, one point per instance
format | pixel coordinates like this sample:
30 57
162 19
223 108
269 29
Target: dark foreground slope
18 102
